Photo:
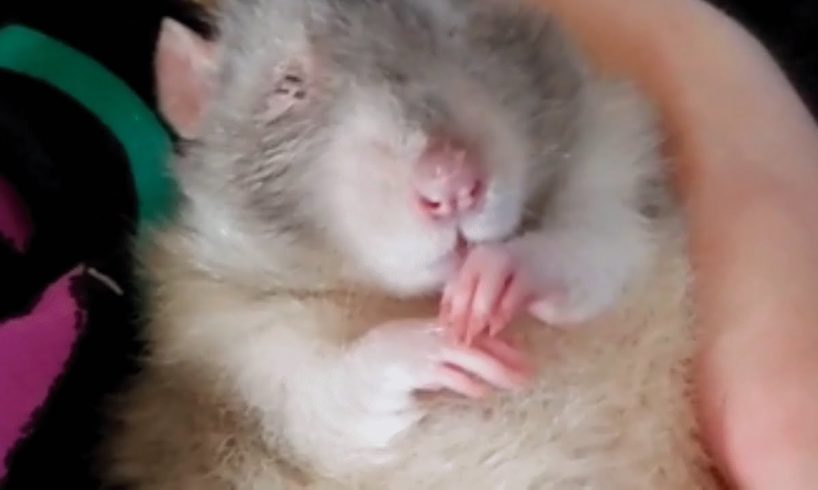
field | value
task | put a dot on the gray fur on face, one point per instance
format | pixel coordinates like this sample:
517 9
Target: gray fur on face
291 69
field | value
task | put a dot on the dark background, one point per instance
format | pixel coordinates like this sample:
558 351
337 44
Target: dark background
788 28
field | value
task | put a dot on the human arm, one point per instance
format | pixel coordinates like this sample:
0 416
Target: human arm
746 158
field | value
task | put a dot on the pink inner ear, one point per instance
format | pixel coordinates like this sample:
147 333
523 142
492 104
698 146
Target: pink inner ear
184 65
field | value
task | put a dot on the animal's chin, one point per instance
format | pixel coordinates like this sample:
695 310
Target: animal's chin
431 277
472 233
413 278
444 250
457 251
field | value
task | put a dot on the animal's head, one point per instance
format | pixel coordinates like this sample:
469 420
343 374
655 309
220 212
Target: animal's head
395 131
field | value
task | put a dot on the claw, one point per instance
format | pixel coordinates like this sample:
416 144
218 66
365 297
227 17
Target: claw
485 295
485 366
508 354
455 380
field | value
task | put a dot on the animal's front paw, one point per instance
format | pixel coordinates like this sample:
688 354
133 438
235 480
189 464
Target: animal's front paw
559 280
394 361
489 290
402 357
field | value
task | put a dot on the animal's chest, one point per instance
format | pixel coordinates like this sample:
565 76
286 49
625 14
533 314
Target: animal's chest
609 408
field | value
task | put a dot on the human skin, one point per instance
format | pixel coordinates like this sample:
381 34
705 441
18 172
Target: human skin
745 154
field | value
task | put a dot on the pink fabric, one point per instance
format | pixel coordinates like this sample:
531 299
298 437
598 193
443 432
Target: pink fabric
35 347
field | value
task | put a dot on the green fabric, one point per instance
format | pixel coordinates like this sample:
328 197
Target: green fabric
144 139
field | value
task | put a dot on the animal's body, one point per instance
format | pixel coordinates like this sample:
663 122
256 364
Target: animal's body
292 304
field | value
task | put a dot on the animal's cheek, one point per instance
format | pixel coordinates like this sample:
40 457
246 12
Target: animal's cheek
498 219
360 184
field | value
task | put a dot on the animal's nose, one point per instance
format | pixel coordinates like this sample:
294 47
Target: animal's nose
448 179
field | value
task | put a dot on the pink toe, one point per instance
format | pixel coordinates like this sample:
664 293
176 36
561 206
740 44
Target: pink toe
455 380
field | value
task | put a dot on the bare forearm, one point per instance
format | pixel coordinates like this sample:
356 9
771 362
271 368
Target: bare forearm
748 165
746 155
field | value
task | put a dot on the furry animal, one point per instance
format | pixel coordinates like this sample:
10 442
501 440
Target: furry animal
352 161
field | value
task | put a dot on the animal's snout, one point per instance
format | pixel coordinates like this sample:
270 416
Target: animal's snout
448 179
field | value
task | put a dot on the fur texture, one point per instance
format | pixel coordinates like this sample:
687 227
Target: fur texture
611 409
291 304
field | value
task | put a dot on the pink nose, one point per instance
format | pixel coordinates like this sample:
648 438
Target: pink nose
448 180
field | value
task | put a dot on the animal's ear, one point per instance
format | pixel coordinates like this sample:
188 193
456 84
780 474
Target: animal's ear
185 66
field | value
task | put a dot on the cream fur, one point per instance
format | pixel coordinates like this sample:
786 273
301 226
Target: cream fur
611 409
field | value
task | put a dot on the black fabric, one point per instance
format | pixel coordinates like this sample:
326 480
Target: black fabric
75 178
119 34
64 200
789 29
